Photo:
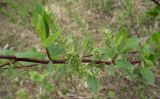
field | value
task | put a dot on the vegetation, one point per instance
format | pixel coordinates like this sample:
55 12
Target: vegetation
84 49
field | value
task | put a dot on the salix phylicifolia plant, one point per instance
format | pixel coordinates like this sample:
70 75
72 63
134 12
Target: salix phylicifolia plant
68 53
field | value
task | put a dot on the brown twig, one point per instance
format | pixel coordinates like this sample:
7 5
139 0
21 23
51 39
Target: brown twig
7 63
20 67
86 56
63 61
24 59
96 61
114 58
48 54
156 2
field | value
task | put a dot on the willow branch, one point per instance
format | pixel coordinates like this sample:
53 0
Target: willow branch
63 61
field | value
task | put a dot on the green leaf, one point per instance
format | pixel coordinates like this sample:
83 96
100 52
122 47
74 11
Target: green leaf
40 27
93 83
121 37
154 12
51 39
63 69
41 21
129 44
56 50
9 52
30 54
39 8
110 52
156 37
108 38
47 19
148 75
51 67
38 11
124 64
11 71
46 26
147 49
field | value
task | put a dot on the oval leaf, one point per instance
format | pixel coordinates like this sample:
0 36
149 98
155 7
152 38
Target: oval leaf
148 75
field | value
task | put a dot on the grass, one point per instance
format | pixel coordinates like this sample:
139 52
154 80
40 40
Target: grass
81 18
